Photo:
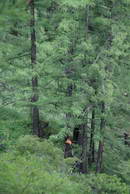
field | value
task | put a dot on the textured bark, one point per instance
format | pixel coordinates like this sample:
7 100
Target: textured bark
85 150
84 129
99 157
92 143
101 142
35 109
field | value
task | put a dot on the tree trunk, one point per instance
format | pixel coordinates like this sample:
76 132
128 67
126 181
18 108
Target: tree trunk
35 109
92 144
101 142
85 150
126 136
99 157
78 135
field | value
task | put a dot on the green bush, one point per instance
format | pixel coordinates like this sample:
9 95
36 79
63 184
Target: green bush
36 167
41 148
124 171
103 183
30 176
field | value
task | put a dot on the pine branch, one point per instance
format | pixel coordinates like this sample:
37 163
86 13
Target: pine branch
19 56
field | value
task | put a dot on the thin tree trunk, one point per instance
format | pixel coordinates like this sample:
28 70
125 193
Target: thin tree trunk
101 142
70 87
92 143
126 136
85 150
35 109
99 157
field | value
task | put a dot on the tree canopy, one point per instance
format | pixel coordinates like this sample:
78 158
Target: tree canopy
64 77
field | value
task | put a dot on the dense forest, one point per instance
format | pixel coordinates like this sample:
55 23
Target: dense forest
65 96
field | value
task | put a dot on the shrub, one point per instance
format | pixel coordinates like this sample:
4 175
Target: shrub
31 174
103 183
124 171
38 167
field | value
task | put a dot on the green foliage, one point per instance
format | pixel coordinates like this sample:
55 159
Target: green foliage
12 125
82 45
45 149
107 184
34 170
36 166
22 175
124 171
102 183
77 4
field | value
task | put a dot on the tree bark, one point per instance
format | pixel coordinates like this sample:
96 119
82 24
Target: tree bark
92 143
99 157
84 169
101 142
35 109
84 127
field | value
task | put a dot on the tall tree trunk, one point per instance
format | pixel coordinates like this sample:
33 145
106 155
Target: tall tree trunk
35 109
101 142
92 143
84 150
70 87
84 127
